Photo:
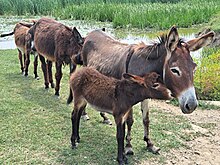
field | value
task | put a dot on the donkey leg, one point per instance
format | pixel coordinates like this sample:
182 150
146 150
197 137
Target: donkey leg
81 109
20 59
106 119
58 76
74 127
121 158
44 69
79 105
50 74
85 115
27 53
72 69
35 66
27 62
128 146
146 121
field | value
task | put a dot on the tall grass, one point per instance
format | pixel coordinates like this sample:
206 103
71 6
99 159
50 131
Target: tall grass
133 13
151 15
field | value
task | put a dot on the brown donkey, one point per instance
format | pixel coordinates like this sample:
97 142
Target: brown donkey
56 42
20 32
112 96
170 58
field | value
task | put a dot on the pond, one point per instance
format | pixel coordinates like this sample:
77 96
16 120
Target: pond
124 35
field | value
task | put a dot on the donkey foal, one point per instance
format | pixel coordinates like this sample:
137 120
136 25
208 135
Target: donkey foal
112 96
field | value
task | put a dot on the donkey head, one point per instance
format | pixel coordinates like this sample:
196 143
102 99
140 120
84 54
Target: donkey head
75 43
179 68
152 88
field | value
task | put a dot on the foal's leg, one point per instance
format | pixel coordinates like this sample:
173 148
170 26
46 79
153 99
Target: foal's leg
50 74
81 109
146 121
120 140
129 121
58 77
35 66
79 106
20 59
74 127
44 69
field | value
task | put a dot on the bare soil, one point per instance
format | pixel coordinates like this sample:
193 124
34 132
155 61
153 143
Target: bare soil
203 149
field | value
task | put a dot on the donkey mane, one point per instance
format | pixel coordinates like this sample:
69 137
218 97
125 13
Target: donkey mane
151 52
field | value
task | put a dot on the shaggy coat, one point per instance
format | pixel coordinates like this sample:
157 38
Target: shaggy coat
56 42
113 96
20 31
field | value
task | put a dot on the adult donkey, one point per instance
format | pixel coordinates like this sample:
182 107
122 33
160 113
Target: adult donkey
170 58
56 42
20 31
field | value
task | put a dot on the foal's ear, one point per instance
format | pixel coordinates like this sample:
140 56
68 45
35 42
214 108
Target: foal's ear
133 78
77 36
200 42
172 39
128 76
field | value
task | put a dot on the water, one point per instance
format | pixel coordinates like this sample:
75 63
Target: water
129 36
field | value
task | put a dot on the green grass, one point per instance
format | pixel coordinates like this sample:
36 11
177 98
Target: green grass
128 13
36 126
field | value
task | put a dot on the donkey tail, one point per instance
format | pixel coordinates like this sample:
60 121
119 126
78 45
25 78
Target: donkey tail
8 34
70 98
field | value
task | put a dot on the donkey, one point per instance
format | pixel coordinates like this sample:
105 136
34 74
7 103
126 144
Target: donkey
56 42
20 32
170 58
112 96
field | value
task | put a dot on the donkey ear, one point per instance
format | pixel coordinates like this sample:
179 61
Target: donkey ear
78 36
200 42
128 76
172 39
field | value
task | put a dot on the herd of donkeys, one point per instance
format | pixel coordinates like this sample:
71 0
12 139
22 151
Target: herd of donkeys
115 76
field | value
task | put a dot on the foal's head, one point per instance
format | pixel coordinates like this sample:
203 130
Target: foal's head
151 87
179 68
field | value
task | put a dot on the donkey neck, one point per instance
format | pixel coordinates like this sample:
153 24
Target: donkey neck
147 58
130 93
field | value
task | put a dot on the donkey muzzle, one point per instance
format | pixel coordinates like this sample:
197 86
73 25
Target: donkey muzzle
188 101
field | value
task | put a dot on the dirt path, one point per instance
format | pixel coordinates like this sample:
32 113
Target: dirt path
205 148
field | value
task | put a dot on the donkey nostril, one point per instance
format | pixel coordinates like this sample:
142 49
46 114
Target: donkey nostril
190 107
187 107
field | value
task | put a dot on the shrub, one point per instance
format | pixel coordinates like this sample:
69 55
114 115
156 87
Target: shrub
207 76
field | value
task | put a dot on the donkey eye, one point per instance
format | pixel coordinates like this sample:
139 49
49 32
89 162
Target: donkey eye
175 71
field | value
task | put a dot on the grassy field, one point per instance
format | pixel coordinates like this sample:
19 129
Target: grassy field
36 126
128 13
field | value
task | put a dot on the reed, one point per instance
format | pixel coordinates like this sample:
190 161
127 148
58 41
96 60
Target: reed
127 13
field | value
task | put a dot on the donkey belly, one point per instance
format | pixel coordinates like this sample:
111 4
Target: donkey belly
101 109
46 52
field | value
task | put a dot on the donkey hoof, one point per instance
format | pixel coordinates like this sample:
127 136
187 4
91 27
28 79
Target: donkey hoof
73 147
46 87
52 85
153 149
129 151
85 117
57 93
107 122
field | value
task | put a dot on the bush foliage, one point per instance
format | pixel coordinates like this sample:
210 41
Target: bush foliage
207 76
